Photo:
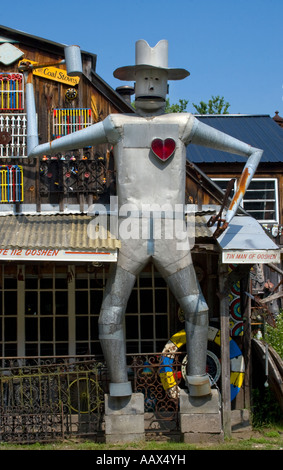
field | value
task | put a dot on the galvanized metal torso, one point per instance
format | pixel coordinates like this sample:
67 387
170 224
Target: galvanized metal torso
143 178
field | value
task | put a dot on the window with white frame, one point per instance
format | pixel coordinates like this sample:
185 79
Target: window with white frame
260 199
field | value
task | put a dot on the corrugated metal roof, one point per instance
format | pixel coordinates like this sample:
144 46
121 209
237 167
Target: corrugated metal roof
66 231
259 131
51 231
201 228
69 231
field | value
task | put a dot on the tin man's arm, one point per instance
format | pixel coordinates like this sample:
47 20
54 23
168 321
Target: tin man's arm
90 136
99 133
207 136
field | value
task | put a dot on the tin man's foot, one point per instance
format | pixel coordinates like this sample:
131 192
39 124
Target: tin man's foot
120 389
198 385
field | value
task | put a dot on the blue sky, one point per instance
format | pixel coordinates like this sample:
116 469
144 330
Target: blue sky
232 48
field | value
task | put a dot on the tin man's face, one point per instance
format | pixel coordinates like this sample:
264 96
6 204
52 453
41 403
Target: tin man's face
151 88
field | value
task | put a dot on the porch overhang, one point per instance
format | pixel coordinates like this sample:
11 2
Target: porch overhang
65 237
245 241
54 238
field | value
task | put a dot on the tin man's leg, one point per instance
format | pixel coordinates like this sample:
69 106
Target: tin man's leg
111 333
185 287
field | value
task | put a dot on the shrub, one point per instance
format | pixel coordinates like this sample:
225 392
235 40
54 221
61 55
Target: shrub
274 335
266 409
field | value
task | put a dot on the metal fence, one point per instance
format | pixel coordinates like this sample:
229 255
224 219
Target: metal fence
46 399
11 183
13 135
11 92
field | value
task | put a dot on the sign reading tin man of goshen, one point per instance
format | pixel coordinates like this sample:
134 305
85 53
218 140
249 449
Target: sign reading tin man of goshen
149 148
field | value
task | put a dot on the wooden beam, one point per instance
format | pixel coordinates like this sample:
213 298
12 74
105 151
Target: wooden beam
246 286
270 298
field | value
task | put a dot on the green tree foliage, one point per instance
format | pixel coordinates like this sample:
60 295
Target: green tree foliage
180 107
266 409
216 105
274 335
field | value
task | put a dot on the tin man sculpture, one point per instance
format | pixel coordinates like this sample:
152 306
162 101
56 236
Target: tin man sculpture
150 155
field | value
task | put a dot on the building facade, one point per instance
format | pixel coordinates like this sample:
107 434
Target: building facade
53 272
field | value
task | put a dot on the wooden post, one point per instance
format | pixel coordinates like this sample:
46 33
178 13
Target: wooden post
225 352
246 287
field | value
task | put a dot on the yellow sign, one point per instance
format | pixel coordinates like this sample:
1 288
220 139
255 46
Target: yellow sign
53 73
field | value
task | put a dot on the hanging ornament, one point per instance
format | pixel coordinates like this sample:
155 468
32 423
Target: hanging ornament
71 94
5 138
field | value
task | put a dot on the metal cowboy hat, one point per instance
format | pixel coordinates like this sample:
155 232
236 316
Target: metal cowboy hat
154 57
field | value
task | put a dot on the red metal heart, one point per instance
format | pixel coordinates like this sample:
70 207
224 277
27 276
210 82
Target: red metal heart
163 149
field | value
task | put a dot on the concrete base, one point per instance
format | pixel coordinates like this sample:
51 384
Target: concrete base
200 418
124 418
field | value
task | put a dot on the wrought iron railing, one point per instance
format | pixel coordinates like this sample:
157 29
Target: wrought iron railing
45 399
71 174
161 405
